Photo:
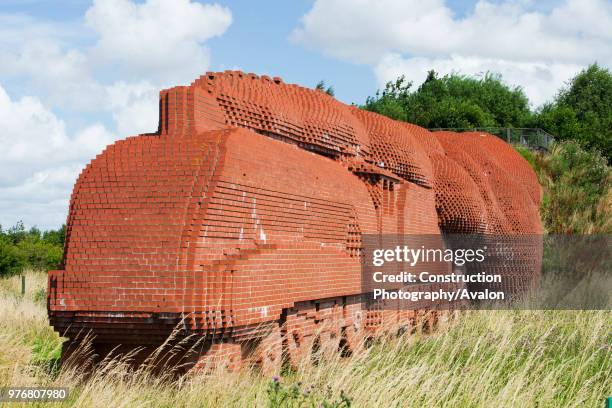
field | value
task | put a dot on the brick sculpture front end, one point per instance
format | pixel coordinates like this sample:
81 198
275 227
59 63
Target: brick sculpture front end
240 219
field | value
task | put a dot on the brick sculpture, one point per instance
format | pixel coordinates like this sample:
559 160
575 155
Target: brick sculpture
241 218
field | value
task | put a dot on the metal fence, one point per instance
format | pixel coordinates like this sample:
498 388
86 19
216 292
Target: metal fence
533 138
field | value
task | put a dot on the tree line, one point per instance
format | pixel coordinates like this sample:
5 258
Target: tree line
581 111
22 248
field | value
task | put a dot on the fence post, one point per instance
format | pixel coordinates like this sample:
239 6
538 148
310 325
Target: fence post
23 285
508 134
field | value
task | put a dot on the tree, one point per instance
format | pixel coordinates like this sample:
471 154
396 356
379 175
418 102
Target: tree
55 237
582 111
392 101
321 87
453 101
21 248
11 261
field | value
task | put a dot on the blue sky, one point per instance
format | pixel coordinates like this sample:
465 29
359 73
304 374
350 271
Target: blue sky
257 41
77 75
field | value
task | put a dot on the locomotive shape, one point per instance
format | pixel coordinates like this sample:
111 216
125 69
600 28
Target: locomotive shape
241 218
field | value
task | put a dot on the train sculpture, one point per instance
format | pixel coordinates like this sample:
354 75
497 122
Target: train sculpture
240 220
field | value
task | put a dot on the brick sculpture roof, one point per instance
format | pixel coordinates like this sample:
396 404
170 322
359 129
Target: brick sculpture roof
477 177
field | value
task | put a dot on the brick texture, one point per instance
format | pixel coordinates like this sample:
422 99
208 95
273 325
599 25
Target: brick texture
241 217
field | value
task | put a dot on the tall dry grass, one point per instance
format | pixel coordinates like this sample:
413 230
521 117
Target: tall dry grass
480 359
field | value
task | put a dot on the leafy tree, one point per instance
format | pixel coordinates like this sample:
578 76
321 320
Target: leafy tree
11 261
16 233
55 237
582 110
453 101
392 101
21 248
321 87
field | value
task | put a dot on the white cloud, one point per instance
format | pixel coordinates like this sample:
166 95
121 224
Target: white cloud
135 106
112 62
32 134
40 161
365 30
157 39
42 199
46 57
159 42
534 49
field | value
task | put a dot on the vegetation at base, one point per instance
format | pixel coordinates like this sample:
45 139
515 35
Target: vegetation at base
577 185
26 338
479 359
295 395
30 249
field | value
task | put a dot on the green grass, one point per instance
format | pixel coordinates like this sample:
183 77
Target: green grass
479 359
577 186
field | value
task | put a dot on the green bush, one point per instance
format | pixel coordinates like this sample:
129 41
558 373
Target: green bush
40 255
33 249
47 352
577 192
11 261
297 396
581 111
527 154
453 101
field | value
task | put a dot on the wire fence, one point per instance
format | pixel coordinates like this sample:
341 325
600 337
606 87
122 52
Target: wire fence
533 138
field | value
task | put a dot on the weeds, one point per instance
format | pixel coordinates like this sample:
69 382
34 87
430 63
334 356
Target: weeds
480 359
577 186
297 396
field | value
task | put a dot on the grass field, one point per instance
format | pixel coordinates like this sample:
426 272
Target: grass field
480 359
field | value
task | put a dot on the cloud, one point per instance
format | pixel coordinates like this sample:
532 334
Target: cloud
46 58
33 135
78 66
110 64
364 31
534 49
42 199
157 39
135 106
40 161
